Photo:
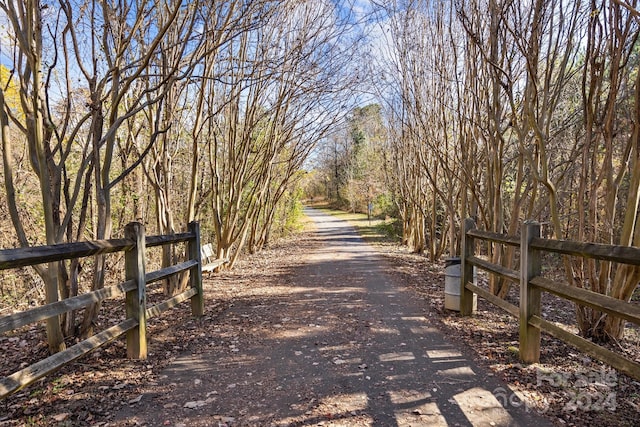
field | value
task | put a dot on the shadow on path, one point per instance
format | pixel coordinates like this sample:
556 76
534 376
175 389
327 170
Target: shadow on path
338 343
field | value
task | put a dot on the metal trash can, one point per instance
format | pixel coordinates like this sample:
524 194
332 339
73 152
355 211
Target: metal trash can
452 284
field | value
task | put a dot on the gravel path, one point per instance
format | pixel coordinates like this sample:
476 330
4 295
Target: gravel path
330 341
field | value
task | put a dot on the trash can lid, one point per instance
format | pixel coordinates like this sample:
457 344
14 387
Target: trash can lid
451 261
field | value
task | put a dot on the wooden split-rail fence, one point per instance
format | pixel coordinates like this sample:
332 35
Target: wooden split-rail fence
532 284
133 245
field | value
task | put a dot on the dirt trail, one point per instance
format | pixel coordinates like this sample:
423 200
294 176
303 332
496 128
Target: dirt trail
330 341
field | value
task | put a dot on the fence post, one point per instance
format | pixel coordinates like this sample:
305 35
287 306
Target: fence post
530 267
466 269
195 275
136 300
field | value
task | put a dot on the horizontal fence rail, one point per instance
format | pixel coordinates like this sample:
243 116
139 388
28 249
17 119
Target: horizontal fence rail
622 254
532 284
26 376
133 289
24 257
23 318
494 237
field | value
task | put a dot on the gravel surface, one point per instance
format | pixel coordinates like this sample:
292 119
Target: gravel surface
332 339
322 330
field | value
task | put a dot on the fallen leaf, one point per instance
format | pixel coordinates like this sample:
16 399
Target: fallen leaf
61 417
194 404
135 400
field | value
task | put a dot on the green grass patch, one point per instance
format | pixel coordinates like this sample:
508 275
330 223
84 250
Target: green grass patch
374 230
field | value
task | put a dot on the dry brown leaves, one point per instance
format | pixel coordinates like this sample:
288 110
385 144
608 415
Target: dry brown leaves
570 388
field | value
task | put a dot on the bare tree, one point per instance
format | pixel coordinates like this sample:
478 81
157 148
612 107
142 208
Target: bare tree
89 57
280 87
609 157
27 23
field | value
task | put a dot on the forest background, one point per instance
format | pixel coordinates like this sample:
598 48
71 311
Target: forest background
231 112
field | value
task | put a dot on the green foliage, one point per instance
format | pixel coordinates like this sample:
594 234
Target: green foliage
384 206
58 385
292 222
293 212
392 229
374 230
11 91
351 170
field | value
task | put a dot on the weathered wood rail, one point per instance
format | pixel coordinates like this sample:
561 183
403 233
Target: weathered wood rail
532 284
133 289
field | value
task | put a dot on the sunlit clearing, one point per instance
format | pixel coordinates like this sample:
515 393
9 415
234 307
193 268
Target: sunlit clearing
344 408
385 330
354 375
342 347
299 332
396 357
443 353
350 402
416 409
423 330
196 363
414 318
398 397
344 290
420 415
401 377
482 408
463 372
352 361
